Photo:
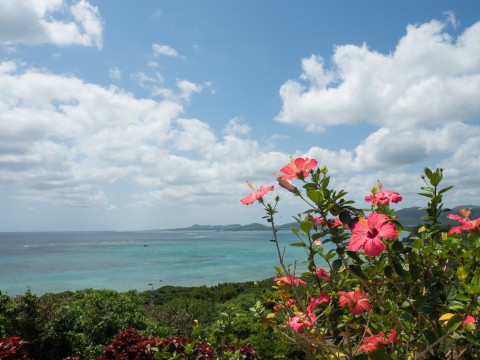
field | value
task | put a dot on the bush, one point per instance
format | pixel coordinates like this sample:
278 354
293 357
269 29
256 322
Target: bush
366 293
133 346
13 349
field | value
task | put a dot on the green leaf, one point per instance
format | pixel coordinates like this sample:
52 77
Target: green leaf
445 189
345 217
428 172
337 264
418 243
325 182
354 255
388 272
462 273
327 310
330 255
454 322
306 226
450 292
299 244
379 354
474 287
315 195
430 336
398 267
456 306
357 270
471 338
335 210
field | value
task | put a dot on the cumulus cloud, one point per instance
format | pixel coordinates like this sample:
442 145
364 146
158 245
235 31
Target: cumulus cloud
56 22
422 98
236 127
164 50
430 79
193 134
185 89
65 141
115 73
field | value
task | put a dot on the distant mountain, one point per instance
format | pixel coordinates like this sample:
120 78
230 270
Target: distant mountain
232 227
408 217
411 217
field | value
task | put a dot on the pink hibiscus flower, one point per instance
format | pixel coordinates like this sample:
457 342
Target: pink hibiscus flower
298 323
257 194
288 280
367 234
320 299
371 343
331 222
287 304
469 320
355 300
384 197
286 183
298 168
323 274
465 223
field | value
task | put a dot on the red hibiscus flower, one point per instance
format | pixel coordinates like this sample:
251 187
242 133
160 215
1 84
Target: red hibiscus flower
367 234
320 299
371 343
298 168
288 280
286 183
257 195
465 223
384 197
329 223
355 300
323 274
297 323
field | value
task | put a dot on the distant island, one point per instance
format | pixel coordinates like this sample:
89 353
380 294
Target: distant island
408 217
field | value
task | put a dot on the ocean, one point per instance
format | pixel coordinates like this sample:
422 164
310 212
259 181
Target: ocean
60 261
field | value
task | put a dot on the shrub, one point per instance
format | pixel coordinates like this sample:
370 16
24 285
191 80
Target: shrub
13 348
133 346
366 293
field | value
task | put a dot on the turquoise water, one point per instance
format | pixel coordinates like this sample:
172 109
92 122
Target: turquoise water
60 261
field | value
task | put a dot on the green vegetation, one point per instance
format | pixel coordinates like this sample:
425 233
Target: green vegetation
82 323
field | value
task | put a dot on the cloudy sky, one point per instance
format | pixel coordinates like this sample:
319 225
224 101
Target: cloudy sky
129 115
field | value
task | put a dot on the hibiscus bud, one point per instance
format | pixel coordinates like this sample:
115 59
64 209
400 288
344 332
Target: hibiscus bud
286 184
323 274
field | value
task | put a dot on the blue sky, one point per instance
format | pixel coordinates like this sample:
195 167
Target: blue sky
129 115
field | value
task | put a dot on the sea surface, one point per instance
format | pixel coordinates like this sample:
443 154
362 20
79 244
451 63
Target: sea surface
59 261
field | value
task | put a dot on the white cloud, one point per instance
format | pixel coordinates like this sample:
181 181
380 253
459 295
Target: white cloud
65 141
164 50
193 135
50 22
429 80
147 81
423 99
185 89
236 127
115 73
188 88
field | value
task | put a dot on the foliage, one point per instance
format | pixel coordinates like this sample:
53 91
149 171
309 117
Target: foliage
81 323
13 349
73 323
368 294
132 345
